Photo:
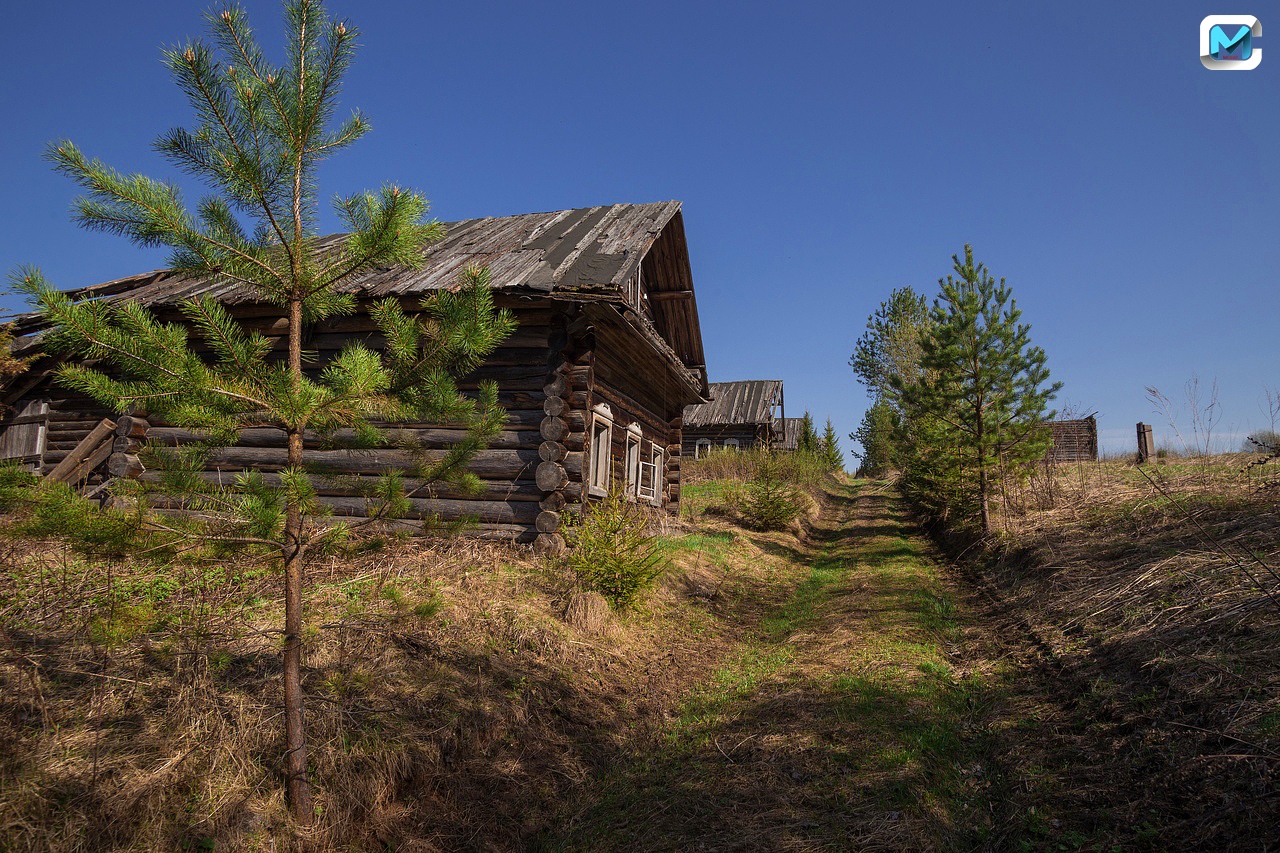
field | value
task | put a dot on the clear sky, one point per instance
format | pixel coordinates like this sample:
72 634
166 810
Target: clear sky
825 153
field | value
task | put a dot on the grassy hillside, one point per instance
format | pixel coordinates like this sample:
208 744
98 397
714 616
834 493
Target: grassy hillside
1105 681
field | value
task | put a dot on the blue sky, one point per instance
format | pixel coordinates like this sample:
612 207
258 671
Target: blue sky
825 153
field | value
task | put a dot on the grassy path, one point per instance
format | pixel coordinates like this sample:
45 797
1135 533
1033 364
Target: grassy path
844 722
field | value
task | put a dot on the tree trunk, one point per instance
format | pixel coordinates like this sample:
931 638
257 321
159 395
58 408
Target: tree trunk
295 735
982 471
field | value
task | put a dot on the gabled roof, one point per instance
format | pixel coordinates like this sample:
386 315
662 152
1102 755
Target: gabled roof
748 402
592 251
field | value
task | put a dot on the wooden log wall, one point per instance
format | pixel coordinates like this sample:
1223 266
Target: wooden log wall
561 473
71 418
508 503
550 374
747 437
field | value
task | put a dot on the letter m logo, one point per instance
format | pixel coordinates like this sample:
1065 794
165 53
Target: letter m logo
1238 46
1226 42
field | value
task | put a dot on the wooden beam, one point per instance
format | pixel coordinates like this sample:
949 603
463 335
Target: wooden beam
91 452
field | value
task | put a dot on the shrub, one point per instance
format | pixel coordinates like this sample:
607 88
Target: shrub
1266 441
770 502
611 552
799 469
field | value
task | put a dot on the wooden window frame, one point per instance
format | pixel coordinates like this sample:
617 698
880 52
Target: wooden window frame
631 459
600 474
655 467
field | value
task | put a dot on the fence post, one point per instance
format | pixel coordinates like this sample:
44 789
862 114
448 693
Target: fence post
1146 443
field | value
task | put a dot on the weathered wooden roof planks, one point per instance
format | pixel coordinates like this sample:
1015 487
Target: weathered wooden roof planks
746 402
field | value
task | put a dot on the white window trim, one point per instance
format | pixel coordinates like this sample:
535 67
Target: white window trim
701 448
654 493
732 443
600 473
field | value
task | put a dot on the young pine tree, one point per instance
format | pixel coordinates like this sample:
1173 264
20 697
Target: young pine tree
983 386
260 133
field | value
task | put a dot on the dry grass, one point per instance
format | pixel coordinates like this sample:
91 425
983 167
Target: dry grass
1153 603
450 705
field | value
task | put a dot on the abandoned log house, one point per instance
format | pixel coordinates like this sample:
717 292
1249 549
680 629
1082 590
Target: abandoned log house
607 354
739 416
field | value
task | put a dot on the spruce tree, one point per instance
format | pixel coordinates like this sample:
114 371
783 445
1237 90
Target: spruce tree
807 437
830 453
983 386
260 132
876 435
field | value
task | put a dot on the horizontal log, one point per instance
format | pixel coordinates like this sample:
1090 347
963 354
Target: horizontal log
557 339
556 385
579 377
551 476
492 512
547 522
554 407
553 429
523 533
64 445
431 438
335 334
70 437
551 451
124 444
487 465
76 416
654 423
131 426
506 376
553 502
356 485
549 544
125 465
556 428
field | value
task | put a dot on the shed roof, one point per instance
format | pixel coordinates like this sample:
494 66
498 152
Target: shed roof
747 402
595 250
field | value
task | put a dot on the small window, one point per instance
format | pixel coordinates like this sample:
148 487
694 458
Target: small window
701 448
633 460
731 444
601 445
650 486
